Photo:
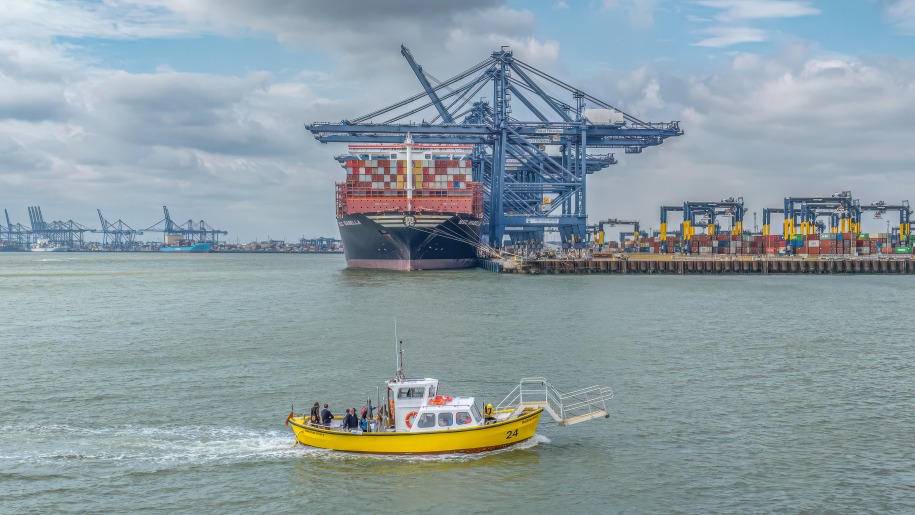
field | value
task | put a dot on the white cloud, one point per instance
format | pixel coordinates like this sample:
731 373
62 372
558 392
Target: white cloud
757 9
900 13
720 37
77 133
640 12
764 128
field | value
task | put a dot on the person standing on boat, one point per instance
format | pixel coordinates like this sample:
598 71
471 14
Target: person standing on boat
350 421
315 414
326 416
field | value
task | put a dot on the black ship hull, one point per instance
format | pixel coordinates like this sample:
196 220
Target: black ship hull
410 241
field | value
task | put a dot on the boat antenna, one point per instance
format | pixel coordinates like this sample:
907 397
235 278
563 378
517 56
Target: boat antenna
400 375
398 350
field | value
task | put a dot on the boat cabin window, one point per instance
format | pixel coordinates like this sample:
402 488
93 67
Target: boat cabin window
415 392
426 420
431 392
444 419
462 418
476 413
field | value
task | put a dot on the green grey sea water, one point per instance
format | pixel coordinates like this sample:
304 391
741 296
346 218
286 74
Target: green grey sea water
159 383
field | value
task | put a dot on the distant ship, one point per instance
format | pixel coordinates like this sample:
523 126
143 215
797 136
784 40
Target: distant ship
43 245
428 218
203 246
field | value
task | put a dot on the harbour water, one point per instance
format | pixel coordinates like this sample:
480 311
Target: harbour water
159 383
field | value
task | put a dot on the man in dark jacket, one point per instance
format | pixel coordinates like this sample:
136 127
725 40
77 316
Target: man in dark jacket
315 417
350 421
326 416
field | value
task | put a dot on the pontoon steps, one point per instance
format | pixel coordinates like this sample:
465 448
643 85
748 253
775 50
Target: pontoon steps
566 409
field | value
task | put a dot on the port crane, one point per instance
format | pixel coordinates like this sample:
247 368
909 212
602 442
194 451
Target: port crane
15 233
190 230
534 140
880 208
117 235
801 213
767 218
67 233
613 222
706 214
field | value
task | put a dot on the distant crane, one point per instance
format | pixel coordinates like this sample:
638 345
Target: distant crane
117 235
190 231
17 233
613 222
902 234
67 233
697 214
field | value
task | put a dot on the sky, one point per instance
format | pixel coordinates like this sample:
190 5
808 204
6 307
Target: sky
129 105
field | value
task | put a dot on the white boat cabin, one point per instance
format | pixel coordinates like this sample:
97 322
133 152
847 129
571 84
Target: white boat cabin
417 407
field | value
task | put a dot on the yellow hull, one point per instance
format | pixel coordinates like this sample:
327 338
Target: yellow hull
472 439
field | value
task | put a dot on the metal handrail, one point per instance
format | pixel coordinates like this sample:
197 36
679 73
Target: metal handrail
592 398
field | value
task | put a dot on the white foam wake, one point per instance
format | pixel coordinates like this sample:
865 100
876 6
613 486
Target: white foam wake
184 445
174 445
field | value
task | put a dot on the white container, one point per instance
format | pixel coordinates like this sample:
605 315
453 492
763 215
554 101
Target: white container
604 117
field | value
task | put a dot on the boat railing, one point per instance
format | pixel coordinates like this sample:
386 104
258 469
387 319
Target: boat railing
566 408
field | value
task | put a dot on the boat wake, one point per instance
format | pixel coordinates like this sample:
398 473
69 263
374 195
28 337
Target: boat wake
188 445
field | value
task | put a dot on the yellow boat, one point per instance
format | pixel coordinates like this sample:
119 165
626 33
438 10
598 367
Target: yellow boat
416 419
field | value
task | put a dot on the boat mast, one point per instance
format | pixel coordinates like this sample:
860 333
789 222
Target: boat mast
398 350
400 375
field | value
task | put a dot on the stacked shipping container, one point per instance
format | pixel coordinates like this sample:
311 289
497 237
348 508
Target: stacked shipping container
811 245
381 185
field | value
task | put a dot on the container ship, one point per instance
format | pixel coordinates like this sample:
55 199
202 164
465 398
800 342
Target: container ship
428 217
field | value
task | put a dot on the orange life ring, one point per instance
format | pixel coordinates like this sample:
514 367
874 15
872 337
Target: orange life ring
408 417
439 400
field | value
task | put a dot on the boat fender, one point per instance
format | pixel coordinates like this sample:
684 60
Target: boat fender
408 417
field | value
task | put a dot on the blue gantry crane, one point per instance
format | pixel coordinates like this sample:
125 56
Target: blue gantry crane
613 222
116 235
903 233
801 213
14 234
532 144
703 214
67 233
190 231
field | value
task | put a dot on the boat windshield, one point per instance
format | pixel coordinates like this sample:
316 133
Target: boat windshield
476 413
426 420
415 392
